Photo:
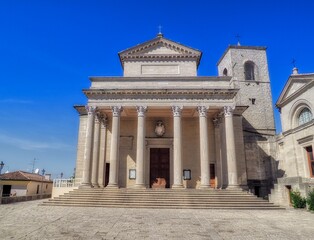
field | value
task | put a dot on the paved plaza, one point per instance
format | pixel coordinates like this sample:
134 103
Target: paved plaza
28 220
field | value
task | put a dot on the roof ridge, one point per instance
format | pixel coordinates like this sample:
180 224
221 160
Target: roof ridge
23 173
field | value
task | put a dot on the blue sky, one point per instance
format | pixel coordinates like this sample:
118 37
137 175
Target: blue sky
49 48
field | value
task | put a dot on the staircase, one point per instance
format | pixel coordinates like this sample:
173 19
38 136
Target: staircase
161 198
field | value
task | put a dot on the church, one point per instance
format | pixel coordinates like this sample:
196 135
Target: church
160 125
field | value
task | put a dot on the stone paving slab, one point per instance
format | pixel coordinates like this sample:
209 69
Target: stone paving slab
28 220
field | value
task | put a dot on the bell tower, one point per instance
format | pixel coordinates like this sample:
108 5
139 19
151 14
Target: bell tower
248 67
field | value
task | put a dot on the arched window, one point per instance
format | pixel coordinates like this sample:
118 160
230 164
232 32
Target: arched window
249 71
225 72
305 116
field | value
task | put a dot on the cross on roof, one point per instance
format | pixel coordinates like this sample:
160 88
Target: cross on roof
238 38
293 62
159 27
160 33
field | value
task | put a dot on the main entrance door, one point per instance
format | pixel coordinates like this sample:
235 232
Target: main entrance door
159 165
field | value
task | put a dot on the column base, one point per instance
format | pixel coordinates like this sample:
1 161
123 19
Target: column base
205 187
177 186
95 185
141 186
101 186
85 185
233 187
115 186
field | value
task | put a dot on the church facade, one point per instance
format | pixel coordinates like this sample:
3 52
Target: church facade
162 125
295 144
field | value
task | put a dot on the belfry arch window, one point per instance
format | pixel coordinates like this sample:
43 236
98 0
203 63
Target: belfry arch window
225 72
249 71
305 116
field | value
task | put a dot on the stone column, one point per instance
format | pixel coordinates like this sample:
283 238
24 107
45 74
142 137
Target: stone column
230 146
204 154
218 143
102 154
140 147
86 182
95 162
177 147
114 148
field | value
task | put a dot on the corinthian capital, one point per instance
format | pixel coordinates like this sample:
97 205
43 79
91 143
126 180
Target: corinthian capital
141 110
116 111
176 110
91 110
202 111
228 110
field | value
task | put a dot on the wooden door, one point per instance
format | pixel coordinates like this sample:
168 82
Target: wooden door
107 174
212 176
310 158
159 165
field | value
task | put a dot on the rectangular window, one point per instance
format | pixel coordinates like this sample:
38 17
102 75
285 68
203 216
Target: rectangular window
310 158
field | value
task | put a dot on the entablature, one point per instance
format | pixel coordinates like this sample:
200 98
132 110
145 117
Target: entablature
159 94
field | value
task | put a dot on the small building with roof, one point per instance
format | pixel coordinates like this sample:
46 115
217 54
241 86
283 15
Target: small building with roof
20 183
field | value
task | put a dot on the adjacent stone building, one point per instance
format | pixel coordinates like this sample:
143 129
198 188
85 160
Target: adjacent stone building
295 143
161 125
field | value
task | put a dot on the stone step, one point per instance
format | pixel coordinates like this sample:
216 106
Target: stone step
198 206
124 198
96 201
147 198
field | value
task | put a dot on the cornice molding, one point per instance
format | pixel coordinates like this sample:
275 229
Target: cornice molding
160 93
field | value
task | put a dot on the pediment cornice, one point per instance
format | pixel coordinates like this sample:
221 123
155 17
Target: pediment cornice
142 51
296 85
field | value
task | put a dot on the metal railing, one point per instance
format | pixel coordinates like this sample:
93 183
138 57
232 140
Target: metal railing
72 182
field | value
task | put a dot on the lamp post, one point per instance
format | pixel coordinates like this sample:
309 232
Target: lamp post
1 166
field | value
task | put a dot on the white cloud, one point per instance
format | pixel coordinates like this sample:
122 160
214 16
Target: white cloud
27 144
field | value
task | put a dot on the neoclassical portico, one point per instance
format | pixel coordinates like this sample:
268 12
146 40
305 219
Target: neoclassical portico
92 161
160 125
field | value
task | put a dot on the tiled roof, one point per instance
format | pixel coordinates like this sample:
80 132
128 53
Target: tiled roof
23 176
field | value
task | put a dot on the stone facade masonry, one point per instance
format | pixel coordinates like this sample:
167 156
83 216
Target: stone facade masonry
258 119
80 147
161 75
159 69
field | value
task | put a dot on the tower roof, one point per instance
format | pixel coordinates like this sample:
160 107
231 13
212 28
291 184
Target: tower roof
239 47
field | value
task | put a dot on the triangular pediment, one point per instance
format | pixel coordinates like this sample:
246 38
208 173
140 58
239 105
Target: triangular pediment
294 86
160 48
